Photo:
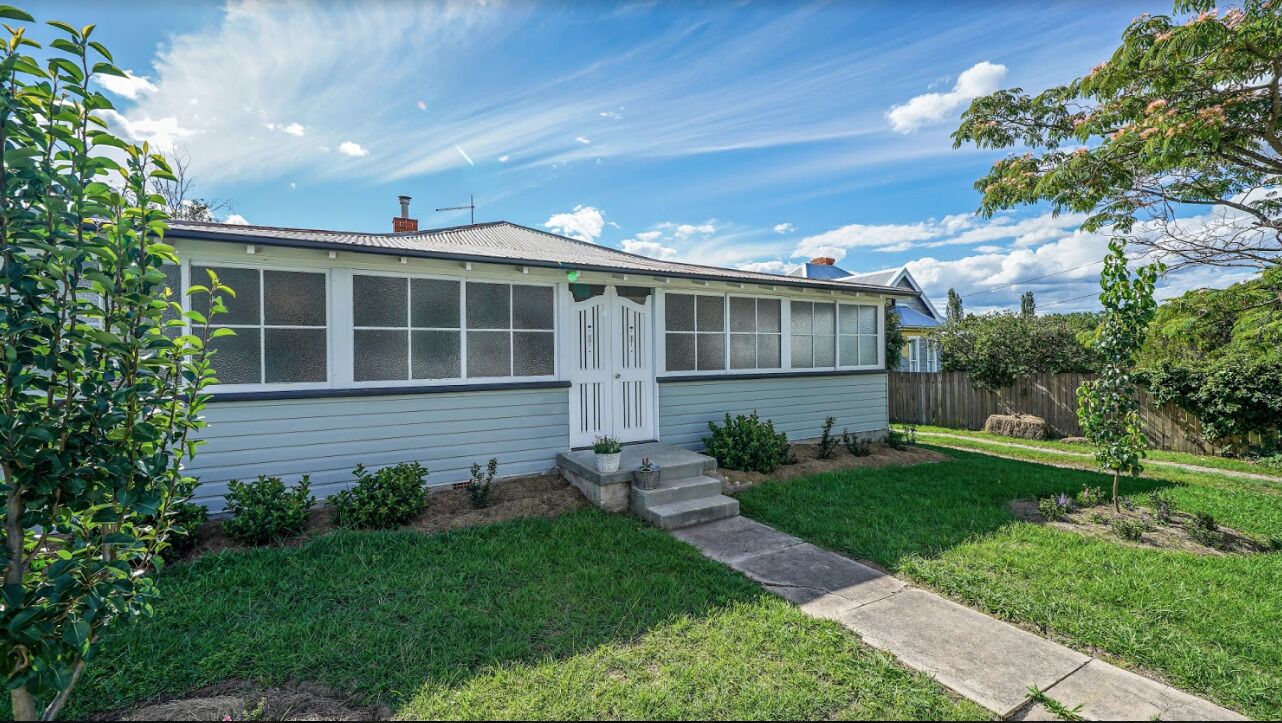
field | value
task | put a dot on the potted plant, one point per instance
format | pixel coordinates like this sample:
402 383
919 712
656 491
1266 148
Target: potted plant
607 450
647 475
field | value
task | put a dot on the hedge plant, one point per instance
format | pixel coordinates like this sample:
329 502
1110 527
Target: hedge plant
266 510
389 497
746 443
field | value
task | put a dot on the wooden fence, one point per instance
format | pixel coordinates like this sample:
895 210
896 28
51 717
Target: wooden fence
948 399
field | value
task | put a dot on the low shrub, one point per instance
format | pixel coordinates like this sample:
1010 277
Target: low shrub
1163 507
1090 496
1127 529
1211 537
1055 508
747 443
1205 521
383 499
827 442
902 439
478 488
855 445
266 511
184 531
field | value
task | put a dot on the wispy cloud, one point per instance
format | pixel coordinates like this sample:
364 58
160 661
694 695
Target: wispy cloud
981 78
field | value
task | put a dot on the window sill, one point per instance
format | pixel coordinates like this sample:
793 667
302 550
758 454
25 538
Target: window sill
273 394
786 374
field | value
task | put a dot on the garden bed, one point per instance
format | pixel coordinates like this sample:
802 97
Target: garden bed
1181 532
809 463
546 495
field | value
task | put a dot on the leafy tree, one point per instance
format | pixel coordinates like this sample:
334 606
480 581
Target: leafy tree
1107 406
1186 114
1243 321
100 390
1027 305
994 349
954 313
895 338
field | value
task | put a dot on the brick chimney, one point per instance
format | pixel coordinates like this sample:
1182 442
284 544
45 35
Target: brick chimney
823 261
403 222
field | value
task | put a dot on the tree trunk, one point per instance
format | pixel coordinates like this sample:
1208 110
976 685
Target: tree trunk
1117 506
24 705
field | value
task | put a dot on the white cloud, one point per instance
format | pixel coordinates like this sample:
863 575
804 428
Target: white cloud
653 249
686 230
504 158
961 229
583 223
131 86
162 133
784 228
583 139
353 149
293 129
422 105
236 219
776 266
981 78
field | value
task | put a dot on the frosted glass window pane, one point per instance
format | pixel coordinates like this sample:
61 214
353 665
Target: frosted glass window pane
824 352
379 301
435 354
711 313
849 353
294 355
678 312
743 314
802 317
380 355
532 307
533 353
244 307
824 318
680 352
848 319
712 351
801 352
293 298
768 351
867 350
489 306
767 315
867 320
434 303
489 353
743 351
236 359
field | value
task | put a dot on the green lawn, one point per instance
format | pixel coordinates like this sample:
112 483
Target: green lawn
1209 625
585 616
1157 455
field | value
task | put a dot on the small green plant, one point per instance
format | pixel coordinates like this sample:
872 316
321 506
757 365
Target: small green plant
478 488
1089 496
1056 708
827 442
1163 507
1206 531
185 520
646 465
747 443
1055 508
1127 529
902 438
1127 503
1099 518
1205 521
607 445
266 511
855 445
383 499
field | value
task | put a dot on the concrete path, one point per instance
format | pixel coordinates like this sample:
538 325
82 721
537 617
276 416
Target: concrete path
1087 456
988 661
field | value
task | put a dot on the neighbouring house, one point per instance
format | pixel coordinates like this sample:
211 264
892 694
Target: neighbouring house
450 346
917 315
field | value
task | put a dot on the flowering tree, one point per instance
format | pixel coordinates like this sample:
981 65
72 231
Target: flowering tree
1187 114
1107 406
100 390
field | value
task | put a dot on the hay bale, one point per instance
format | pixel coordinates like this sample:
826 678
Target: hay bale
1021 426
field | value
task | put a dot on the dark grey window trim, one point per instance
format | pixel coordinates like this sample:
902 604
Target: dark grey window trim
767 375
382 391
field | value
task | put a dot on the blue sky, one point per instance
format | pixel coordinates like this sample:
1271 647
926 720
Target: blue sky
738 134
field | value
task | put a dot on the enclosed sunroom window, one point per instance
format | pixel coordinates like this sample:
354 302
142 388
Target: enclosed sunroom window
755 338
695 332
813 326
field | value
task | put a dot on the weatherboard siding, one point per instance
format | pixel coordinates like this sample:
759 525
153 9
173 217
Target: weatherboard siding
796 405
327 437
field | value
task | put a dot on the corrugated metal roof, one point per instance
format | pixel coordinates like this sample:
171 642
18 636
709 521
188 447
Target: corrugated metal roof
880 278
826 272
499 241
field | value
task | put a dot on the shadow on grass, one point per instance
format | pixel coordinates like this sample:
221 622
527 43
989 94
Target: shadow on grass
891 513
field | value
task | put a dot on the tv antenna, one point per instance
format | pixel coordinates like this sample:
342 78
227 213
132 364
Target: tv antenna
471 207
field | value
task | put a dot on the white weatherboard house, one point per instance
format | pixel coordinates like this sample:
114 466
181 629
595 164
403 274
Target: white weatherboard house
451 346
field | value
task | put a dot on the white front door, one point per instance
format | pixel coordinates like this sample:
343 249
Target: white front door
612 371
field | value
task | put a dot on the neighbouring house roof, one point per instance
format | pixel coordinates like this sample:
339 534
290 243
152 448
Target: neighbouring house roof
827 272
883 278
902 278
499 242
910 318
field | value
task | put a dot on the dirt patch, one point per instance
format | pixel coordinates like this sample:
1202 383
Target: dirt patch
545 495
808 463
241 700
1179 533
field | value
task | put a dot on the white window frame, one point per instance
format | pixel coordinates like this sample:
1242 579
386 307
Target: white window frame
730 368
409 328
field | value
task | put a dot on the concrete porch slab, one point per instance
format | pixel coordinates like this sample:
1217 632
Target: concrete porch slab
984 659
674 463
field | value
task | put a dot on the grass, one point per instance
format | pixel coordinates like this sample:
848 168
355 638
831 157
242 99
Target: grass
1157 455
1208 624
585 616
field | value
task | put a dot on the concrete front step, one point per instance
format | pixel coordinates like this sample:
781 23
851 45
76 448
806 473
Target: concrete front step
679 490
674 463
675 515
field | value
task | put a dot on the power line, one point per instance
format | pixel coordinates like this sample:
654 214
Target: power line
1035 278
1065 301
